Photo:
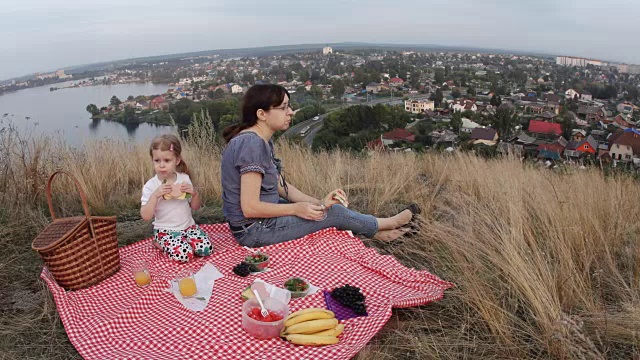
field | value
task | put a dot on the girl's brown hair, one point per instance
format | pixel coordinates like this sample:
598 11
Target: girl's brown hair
170 142
260 96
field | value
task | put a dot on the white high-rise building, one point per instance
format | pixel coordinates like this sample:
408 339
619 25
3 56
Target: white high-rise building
327 50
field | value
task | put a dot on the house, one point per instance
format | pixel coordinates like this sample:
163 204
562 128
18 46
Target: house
624 145
534 108
486 136
396 135
418 106
468 125
377 145
621 122
625 108
158 102
587 146
591 114
544 128
223 87
463 105
578 134
551 98
373 87
396 81
443 138
550 151
142 105
582 95
236 89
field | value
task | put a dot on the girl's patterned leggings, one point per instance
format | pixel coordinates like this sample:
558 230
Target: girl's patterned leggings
181 245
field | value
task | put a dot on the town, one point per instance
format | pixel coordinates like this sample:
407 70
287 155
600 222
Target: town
567 109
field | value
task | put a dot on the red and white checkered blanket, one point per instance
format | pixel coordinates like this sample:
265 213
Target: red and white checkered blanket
117 319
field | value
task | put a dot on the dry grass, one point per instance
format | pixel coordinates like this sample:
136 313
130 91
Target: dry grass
547 265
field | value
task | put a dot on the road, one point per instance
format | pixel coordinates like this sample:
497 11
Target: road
316 125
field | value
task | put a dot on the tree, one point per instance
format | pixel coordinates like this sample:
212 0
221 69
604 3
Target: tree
129 115
130 98
456 121
337 88
471 91
456 93
495 100
115 101
93 109
438 98
316 92
439 77
504 120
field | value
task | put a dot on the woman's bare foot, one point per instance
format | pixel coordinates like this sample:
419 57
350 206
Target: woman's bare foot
394 222
390 235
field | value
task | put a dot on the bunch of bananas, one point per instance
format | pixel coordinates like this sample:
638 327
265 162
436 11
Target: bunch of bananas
313 326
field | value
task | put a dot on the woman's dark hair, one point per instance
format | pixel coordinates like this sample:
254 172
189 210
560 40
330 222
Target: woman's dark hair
260 96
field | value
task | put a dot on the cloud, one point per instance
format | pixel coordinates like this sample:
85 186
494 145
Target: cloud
41 35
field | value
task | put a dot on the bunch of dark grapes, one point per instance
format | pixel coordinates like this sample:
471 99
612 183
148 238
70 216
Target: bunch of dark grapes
244 269
351 297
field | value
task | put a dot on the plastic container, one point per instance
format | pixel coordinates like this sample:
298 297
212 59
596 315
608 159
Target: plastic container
260 265
261 329
297 294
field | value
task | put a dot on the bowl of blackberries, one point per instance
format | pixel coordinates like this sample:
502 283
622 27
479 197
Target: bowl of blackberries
350 297
244 269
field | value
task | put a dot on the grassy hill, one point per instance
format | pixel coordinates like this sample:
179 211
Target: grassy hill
547 264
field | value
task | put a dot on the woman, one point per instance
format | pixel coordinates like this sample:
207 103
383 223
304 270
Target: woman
252 183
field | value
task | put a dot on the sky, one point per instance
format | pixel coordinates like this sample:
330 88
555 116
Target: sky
45 35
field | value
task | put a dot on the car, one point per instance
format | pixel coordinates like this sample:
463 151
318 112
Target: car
316 118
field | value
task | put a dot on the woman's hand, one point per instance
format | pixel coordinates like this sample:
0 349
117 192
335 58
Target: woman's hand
337 196
162 190
187 188
309 211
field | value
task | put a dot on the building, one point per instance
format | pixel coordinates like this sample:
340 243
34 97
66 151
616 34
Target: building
418 106
577 61
396 81
397 135
236 89
624 145
544 128
373 87
573 94
327 50
463 105
591 113
486 136
625 108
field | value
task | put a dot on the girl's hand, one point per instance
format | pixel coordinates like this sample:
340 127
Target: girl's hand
337 196
309 211
188 188
162 190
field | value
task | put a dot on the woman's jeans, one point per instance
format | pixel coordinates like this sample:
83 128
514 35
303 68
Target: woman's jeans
280 229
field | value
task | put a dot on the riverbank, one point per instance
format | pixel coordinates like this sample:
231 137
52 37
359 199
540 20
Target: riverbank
130 116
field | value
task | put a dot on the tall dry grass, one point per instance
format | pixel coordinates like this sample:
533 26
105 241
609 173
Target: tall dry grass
547 265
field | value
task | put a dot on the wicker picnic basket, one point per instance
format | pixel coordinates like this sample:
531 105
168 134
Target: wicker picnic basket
78 251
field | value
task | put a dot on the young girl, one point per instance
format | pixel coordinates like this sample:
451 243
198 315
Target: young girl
170 197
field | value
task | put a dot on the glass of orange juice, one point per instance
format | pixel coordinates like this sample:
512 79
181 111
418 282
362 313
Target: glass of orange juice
141 274
187 284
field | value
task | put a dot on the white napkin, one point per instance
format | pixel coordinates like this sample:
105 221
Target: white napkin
205 278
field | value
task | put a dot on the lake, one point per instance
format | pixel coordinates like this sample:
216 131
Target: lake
63 113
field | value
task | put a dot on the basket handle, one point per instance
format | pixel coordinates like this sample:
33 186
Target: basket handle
83 197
